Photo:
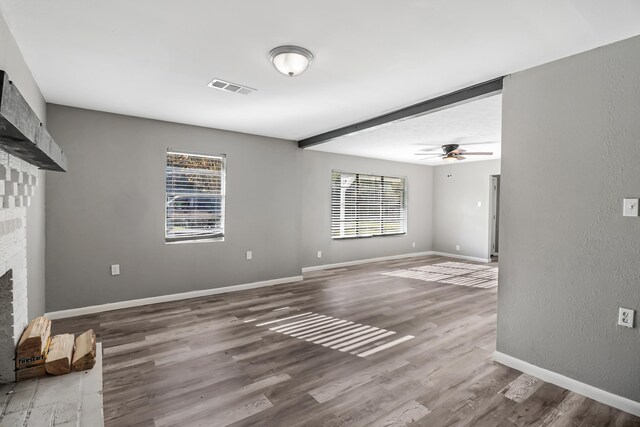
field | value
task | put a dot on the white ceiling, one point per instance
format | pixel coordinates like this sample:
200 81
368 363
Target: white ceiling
154 58
471 123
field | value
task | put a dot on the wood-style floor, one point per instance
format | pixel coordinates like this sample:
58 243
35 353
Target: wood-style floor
207 362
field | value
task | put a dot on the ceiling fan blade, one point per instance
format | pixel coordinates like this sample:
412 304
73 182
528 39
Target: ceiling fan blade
458 151
459 157
479 143
480 153
422 154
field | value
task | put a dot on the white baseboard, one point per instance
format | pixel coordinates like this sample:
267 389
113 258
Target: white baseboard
468 258
587 390
166 298
364 261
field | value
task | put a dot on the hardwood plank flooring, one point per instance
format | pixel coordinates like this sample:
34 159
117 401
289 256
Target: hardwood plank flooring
346 347
521 388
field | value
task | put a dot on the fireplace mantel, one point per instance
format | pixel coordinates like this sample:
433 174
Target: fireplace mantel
22 134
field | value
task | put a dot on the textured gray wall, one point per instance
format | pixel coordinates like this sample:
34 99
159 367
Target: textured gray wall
109 209
457 218
12 62
568 258
316 210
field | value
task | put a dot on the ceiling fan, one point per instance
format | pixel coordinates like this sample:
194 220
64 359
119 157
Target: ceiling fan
452 152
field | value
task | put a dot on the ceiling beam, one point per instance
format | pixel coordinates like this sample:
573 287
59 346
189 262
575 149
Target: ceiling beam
461 96
23 134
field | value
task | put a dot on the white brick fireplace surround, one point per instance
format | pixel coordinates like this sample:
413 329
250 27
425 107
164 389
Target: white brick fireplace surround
17 185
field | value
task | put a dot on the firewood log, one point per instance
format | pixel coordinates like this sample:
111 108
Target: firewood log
60 354
84 356
32 347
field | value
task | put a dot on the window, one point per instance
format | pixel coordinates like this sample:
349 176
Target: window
194 197
367 205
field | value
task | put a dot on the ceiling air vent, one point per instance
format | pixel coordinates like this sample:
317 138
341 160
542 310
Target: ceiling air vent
230 87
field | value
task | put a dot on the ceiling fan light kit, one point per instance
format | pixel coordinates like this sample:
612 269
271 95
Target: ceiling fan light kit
290 60
450 159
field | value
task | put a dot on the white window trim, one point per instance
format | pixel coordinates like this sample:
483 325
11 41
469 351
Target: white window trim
367 236
203 239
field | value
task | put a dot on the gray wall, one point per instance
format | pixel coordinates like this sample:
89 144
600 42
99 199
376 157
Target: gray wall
316 212
109 209
570 151
12 62
457 218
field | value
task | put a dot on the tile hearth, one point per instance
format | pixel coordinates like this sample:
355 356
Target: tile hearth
74 399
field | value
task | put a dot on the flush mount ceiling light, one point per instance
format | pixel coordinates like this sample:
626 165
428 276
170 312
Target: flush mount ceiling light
290 60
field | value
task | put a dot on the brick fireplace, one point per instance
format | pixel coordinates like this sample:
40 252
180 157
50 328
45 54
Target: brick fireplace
17 185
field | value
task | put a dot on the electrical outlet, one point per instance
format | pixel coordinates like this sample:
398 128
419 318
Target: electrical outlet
413 244
249 255
115 269
625 317
630 207
457 247
319 254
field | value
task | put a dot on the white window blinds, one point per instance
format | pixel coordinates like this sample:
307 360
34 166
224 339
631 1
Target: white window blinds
195 189
367 205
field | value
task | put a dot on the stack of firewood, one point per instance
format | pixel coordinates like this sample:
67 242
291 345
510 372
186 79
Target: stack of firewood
39 354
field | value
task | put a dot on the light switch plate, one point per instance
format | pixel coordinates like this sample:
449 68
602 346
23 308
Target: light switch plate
249 255
630 207
319 254
625 317
115 269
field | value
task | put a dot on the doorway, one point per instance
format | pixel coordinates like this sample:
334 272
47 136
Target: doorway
494 215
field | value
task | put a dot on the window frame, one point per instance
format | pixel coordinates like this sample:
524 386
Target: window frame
223 192
368 236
